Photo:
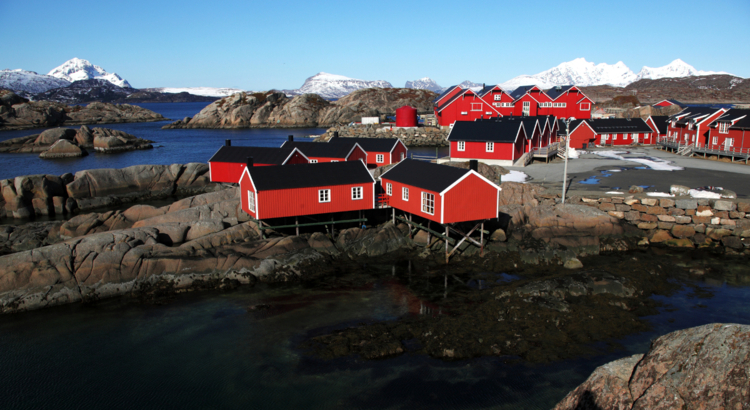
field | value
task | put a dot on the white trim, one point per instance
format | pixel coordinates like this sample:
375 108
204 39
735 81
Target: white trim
292 154
461 145
324 195
405 194
255 189
423 203
442 208
588 108
389 189
251 195
313 161
379 158
466 175
210 174
489 146
355 190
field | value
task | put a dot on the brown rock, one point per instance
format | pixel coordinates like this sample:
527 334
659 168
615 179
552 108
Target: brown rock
666 218
63 149
649 218
702 220
682 231
743 207
640 208
656 210
676 211
660 236
49 137
666 202
649 201
647 225
683 219
606 207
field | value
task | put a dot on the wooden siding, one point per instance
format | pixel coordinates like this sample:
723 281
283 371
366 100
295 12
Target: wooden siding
414 204
505 151
471 199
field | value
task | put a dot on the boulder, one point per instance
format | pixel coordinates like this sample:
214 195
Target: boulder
376 241
49 137
679 190
63 149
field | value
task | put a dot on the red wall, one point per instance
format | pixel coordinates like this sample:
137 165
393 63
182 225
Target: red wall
518 107
472 199
741 139
414 204
582 135
505 151
452 113
357 154
396 153
304 201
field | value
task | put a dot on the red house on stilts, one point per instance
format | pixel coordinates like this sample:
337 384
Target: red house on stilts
497 141
306 189
227 164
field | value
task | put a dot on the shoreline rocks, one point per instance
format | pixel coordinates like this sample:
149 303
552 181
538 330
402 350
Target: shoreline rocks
411 137
69 143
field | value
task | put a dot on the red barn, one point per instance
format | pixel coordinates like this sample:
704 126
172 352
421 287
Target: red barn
306 189
607 131
731 132
690 126
322 152
464 105
497 141
380 151
227 164
567 101
440 193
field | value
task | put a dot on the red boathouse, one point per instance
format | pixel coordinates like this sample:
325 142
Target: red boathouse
227 164
380 151
322 152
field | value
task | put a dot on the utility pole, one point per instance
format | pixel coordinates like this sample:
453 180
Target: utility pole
567 151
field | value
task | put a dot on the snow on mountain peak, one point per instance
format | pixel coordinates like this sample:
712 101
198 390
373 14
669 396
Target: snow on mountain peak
334 86
425 83
29 82
77 69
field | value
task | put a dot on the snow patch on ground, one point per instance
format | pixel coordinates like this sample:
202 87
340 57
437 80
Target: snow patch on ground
656 164
660 194
613 193
572 153
514 176
695 193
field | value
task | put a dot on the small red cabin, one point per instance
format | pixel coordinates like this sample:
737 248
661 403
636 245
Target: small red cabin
690 126
306 189
497 141
406 116
322 152
609 131
440 193
380 151
227 164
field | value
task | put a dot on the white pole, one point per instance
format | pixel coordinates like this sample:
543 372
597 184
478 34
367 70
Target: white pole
567 151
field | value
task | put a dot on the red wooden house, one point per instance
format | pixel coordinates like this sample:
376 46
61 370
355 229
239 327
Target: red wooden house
380 151
227 164
322 152
609 131
497 141
549 131
440 193
730 132
659 125
498 98
464 105
306 189
528 99
690 126
567 101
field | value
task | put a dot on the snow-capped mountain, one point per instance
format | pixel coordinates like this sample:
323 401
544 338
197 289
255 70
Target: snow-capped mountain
29 82
334 86
468 84
78 69
203 91
583 73
676 68
425 83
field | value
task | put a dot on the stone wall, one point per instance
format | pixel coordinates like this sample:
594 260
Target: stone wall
412 137
686 222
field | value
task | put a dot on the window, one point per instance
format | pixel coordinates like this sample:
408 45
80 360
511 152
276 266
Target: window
723 127
356 192
635 136
488 113
313 161
389 189
498 97
505 104
490 147
614 137
379 158
461 145
403 155
559 105
324 195
605 137
545 105
585 106
405 193
476 106
690 125
715 140
428 203
251 201
674 123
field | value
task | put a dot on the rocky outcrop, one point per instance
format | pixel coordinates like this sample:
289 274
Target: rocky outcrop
705 367
68 142
19 113
274 109
35 195
412 137
63 149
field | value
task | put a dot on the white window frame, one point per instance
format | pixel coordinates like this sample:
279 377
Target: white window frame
379 158
715 141
476 106
428 203
324 195
489 146
728 142
605 137
334 160
634 136
464 113
723 128
389 189
356 193
405 194
251 201
313 161
403 155
614 137
461 145
488 113
498 97
585 106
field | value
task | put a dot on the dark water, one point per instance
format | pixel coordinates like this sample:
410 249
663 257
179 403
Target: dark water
171 146
210 350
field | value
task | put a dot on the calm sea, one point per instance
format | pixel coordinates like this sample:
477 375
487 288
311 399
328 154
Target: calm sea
171 146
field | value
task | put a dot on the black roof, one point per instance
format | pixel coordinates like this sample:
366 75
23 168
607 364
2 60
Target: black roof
555 92
503 129
520 91
321 149
310 175
260 155
741 116
691 113
662 123
447 90
426 175
618 125
454 98
368 144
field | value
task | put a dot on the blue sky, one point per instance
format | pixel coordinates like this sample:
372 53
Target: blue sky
259 45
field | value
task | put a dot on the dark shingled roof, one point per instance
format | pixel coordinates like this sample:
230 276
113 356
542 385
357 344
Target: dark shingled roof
691 113
504 129
447 90
553 92
426 175
662 123
520 91
368 144
310 175
321 149
260 155
733 115
454 98
618 125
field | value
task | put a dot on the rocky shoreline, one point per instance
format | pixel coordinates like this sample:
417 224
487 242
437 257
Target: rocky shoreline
69 143
412 137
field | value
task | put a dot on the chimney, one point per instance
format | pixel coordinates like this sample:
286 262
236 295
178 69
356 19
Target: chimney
290 138
335 134
474 165
249 162
228 143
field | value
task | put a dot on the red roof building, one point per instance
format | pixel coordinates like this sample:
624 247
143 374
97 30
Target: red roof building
659 124
440 193
227 164
306 189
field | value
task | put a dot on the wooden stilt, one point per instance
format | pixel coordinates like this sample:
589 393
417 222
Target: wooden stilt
394 215
481 240
410 236
262 231
296 222
428 234
463 239
446 247
333 231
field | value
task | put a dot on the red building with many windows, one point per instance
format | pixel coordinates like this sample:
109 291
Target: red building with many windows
567 101
690 126
306 189
730 132
321 152
440 193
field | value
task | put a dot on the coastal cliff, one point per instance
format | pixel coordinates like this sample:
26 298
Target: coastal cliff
275 109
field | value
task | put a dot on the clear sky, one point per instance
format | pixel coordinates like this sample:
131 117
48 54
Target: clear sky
259 45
